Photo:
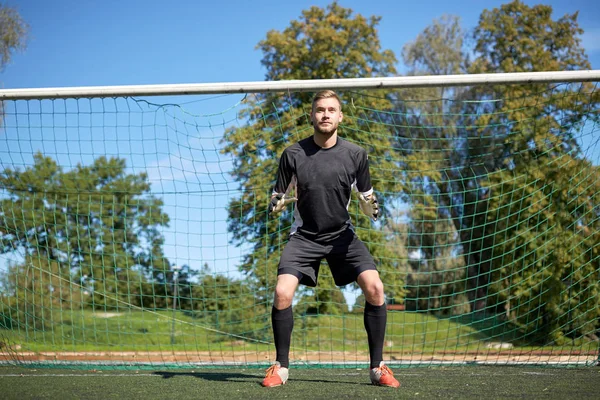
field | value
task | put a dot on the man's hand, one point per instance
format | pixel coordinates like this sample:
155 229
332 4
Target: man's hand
278 203
368 205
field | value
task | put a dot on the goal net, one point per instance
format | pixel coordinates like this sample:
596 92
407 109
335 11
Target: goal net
134 228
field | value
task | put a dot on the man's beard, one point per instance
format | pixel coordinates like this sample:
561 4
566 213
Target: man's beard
325 130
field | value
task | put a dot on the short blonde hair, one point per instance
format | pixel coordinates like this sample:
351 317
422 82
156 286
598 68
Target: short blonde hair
326 94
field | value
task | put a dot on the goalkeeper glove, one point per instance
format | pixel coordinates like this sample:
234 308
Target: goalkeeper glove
278 203
368 205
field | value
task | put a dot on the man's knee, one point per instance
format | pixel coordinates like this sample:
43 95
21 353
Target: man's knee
284 291
372 287
283 297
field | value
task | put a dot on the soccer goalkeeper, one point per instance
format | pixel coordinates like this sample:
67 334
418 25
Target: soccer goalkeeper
321 171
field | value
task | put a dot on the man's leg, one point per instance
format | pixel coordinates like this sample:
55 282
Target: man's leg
375 322
282 320
375 316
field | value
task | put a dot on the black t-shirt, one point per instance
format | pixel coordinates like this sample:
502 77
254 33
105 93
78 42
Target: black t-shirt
324 179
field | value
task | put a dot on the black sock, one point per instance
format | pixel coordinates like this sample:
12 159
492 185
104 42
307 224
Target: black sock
375 320
283 323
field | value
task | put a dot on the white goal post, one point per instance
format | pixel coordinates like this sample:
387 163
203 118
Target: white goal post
301 85
134 227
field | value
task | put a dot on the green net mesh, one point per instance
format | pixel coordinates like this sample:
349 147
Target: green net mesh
134 232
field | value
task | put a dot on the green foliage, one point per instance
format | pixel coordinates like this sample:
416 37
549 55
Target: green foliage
94 228
545 267
431 153
460 190
502 206
506 174
520 38
323 43
437 50
530 153
318 302
35 291
13 33
327 43
224 301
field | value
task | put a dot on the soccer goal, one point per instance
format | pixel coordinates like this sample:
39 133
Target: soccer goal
134 228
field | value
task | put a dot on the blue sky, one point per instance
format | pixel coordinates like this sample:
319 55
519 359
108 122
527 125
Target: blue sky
120 42
117 42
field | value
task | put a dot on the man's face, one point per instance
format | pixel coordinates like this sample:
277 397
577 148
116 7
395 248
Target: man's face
326 115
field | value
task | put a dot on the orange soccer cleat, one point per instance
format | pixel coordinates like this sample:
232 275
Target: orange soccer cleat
276 376
383 376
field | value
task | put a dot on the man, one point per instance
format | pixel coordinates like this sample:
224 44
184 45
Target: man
322 170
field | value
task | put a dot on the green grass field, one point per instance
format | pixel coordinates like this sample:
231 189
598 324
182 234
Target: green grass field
166 331
417 383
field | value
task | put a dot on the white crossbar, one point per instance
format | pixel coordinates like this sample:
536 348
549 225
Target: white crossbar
301 85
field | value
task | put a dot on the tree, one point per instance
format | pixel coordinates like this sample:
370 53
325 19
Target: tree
397 237
439 50
545 263
525 145
34 291
95 226
226 303
472 179
13 33
13 37
435 280
323 43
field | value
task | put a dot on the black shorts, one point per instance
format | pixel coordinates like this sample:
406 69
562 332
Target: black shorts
346 255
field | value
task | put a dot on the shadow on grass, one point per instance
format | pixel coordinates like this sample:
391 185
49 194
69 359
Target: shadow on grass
231 376
211 376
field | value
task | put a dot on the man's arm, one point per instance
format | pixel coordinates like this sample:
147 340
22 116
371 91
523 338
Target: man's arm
285 183
366 196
